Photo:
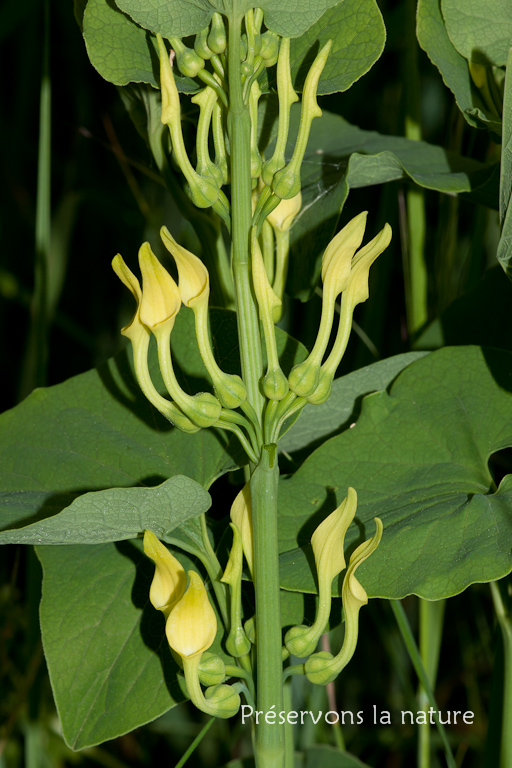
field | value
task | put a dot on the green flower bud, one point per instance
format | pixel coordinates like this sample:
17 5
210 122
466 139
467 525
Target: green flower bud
217 39
201 44
238 644
275 384
323 389
304 377
250 629
189 62
223 700
212 670
269 50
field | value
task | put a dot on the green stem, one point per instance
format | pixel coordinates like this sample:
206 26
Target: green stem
239 128
202 733
414 655
431 632
504 620
415 197
270 738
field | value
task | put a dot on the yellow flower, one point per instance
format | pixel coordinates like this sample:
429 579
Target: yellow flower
241 516
169 581
327 543
139 335
336 266
160 295
192 624
282 217
194 289
322 668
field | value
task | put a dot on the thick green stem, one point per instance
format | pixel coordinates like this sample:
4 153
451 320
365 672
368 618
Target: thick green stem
505 622
431 633
416 216
270 738
239 129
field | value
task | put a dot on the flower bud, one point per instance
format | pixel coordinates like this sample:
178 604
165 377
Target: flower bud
169 582
212 670
224 700
217 39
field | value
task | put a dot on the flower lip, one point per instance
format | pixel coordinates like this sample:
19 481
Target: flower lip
194 280
160 296
192 625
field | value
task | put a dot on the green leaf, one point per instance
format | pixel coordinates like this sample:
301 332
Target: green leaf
108 659
98 431
121 51
504 252
480 30
317 423
341 156
186 17
433 38
118 514
418 459
358 33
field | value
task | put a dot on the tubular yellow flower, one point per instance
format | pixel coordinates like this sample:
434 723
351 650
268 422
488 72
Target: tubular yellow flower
192 624
327 542
139 336
241 516
160 296
282 217
336 265
322 668
194 289
169 582
159 307
237 643
191 629
275 384
355 292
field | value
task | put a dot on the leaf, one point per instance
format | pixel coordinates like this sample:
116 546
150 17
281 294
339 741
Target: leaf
187 17
108 659
317 423
504 252
118 514
433 38
341 156
98 431
121 51
480 30
418 458
358 33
